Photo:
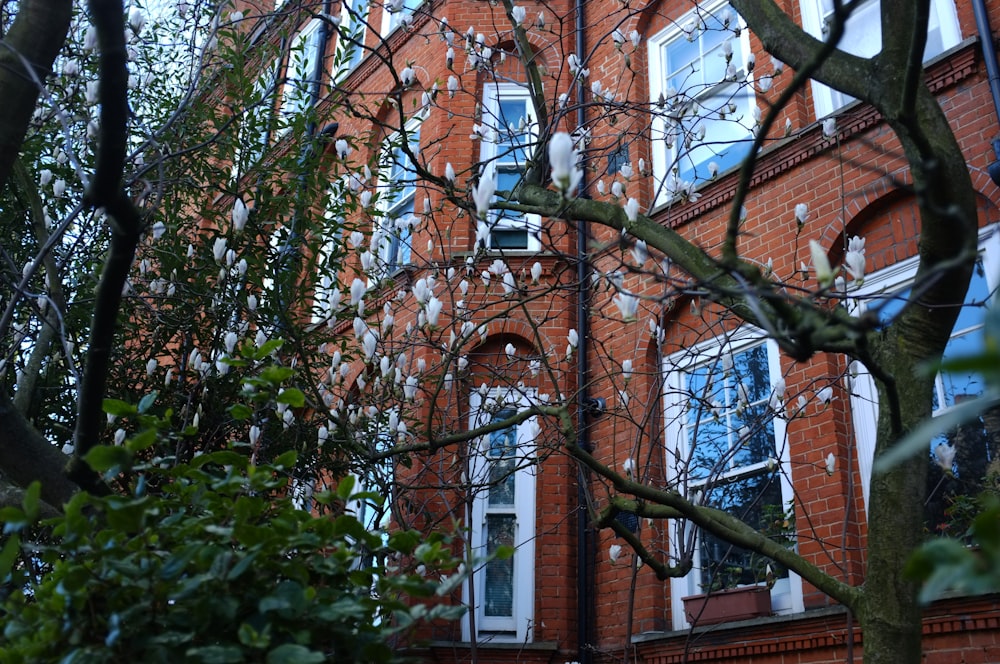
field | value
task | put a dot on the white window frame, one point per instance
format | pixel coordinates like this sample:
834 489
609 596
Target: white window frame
786 595
387 242
392 20
863 37
351 34
665 135
864 395
300 66
518 627
495 161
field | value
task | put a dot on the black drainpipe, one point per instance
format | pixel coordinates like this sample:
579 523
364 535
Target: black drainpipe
584 532
993 76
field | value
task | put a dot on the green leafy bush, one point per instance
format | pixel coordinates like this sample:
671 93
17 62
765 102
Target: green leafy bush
211 561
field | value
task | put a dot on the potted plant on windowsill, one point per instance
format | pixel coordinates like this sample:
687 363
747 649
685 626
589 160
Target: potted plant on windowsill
739 586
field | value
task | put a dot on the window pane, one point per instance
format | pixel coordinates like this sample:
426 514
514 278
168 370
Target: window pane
509 238
975 445
757 502
498 583
729 424
723 118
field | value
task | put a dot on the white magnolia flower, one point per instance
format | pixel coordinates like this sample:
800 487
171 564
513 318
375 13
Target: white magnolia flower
509 283
407 76
632 209
44 177
615 552
240 215
801 213
518 13
573 337
159 228
640 251
230 341
536 272
151 366
831 464
482 195
422 291
368 343
628 305
800 404
510 350
627 370
434 307
219 249
59 188
358 289
854 259
342 148
944 457
410 388
629 467
830 127
566 174
254 434
825 395
136 20
821 264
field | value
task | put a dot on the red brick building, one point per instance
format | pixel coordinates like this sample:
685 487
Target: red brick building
431 123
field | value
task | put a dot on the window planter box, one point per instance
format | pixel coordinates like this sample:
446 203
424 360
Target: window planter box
728 605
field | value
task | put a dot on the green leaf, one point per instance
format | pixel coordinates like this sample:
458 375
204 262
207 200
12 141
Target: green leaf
293 397
503 552
107 457
9 555
222 458
147 401
175 564
239 568
251 638
345 487
118 408
141 441
275 375
32 500
292 653
268 348
286 460
13 519
240 411
215 654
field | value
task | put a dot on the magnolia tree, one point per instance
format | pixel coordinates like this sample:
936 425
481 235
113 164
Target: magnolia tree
251 299
733 396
